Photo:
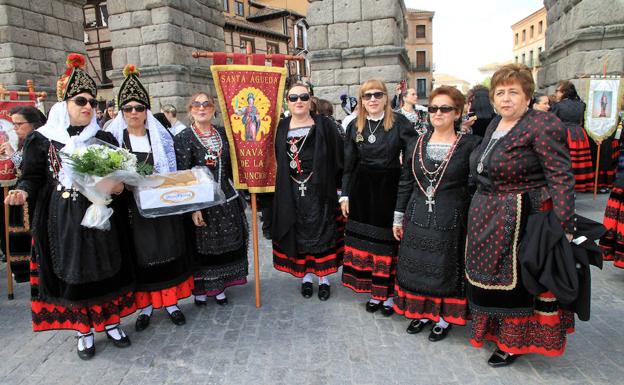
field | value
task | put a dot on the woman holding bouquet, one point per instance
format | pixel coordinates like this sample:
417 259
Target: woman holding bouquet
162 266
81 278
220 233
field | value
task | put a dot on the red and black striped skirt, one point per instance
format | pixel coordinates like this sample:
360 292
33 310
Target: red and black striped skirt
581 157
417 306
612 242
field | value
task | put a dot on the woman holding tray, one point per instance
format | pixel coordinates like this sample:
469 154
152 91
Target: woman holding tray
220 233
80 278
162 262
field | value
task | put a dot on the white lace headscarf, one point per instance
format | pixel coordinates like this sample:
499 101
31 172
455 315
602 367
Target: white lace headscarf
56 129
161 141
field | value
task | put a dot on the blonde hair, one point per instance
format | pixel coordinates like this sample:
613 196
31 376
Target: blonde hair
374 84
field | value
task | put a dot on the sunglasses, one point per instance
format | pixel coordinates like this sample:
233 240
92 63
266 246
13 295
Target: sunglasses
294 97
370 95
204 104
82 101
139 108
443 109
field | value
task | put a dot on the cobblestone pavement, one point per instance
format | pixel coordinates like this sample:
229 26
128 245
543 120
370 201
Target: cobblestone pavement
292 340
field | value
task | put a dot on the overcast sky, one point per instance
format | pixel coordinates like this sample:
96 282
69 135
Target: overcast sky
469 34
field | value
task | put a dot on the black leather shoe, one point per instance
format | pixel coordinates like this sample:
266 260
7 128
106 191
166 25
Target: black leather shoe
500 358
177 317
416 326
324 292
142 322
307 290
222 302
87 353
372 307
124 342
438 333
200 303
387 310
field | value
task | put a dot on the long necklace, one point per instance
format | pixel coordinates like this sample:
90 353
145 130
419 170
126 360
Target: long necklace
213 144
302 187
294 151
372 138
436 175
488 148
55 169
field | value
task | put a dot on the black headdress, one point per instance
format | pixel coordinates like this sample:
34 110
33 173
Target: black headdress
132 88
75 80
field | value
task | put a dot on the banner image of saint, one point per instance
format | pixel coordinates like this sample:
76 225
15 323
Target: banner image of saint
604 102
250 99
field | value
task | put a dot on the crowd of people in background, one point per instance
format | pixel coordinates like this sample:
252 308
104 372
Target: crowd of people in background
423 207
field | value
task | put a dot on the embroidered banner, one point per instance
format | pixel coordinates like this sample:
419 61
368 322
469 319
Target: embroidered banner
7 131
603 103
250 98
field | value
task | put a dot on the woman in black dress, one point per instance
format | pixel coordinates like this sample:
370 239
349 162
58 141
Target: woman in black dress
161 258
81 277
307 238
373 144
430 220
220 233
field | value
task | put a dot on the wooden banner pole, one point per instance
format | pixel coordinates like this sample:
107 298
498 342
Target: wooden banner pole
7 250
597 170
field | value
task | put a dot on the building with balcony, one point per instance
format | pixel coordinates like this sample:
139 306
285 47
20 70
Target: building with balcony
419 46
529 39
274 26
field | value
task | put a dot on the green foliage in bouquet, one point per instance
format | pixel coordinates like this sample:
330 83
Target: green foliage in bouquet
145 169
99 160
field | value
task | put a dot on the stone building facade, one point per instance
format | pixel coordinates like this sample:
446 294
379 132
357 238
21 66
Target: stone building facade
35 38
582 37
344 52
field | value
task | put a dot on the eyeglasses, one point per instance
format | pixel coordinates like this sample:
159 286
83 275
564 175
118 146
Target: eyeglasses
205 104
370 95
19 124
81 101
137 108
443 109
294 97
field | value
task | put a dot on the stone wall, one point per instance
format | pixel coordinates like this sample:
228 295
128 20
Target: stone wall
35 38
582 36
159 37
344 51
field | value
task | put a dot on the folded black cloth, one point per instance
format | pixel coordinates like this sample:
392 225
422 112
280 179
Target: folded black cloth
548 262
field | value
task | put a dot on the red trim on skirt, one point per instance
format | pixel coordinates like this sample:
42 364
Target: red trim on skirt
541 333
164 297
582 166
453 310
365 272
612 242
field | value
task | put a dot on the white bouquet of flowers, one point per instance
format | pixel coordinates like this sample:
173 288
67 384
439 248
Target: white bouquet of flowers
94 170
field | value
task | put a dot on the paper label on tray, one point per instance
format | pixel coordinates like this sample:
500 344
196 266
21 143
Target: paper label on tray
177 196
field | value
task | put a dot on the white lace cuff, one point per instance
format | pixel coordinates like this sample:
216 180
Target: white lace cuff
398 219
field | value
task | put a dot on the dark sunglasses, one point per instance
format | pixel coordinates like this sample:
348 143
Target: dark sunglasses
204 104
370 95
444 109
82 101
294 97
139 108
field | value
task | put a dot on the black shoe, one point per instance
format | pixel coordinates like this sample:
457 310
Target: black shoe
500 358
222 301
200 302
438 333
387 310
87 353
177 317
372 307
416 326
142 322
307 290
324 292
124 342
